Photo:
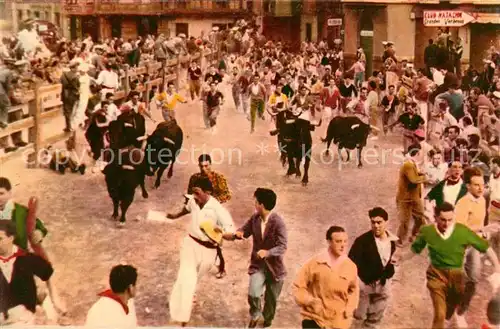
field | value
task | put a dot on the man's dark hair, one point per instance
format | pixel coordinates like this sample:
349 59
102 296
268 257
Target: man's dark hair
205 157
467 121
414 149
372 84
444 207
204 184
170 84
122 277
5 183
378 212
456 128
391 86
133 94
493 310
495 160
333 229
8 226
471 172
108 95
474 139
266 197
431 41
434 152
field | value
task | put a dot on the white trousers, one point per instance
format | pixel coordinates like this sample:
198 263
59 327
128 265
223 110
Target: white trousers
78 116
424 113
195 261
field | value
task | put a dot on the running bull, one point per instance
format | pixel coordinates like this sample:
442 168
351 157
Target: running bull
348 133
129 169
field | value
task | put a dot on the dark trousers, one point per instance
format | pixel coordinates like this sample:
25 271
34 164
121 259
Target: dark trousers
259 282
308 324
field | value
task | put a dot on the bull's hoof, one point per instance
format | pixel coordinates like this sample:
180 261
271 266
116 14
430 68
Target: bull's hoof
360 165
169 175
145 195
327 152
120 224
82 169
304 183
113 217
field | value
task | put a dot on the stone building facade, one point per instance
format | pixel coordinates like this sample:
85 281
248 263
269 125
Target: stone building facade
368 23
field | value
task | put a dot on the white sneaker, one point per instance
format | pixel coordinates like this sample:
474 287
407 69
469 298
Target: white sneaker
461 322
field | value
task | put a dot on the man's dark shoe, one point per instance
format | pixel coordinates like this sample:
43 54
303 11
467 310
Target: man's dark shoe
255 323
10 149
273 132
21 144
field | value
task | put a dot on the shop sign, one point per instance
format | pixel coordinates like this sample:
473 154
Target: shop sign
446 18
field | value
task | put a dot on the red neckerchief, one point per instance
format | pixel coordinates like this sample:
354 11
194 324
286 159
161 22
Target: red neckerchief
485 326
110 294
449 182
18 253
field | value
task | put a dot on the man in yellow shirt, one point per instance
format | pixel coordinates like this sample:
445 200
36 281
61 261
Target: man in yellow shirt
167 102
471 211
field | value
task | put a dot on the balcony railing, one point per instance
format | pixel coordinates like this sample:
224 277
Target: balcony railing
153 7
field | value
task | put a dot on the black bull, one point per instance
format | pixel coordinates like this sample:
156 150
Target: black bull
130 166
348 133
295 143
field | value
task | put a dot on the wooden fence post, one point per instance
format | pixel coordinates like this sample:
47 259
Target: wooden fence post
127 82
177 73
35 133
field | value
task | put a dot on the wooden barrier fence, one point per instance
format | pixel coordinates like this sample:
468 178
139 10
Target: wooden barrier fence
45 105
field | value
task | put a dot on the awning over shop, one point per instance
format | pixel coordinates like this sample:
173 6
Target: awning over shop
487 18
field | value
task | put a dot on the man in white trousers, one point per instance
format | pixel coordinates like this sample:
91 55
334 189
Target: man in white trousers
198 250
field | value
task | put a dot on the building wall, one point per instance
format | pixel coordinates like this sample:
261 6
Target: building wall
309 19
483 36
45 10
400 29
196 26
351 33
129 27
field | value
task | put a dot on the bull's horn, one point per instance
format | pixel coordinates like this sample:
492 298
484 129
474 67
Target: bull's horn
374 128
168 140
319 123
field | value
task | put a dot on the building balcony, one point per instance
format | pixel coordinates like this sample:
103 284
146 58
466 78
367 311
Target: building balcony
154 7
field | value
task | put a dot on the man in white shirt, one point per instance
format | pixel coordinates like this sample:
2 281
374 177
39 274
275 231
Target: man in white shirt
436 170
468 128
112 112
115 308
437 76
372 253
199 249
108 80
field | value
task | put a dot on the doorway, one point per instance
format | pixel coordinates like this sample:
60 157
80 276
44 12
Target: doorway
309 31
116 26
366 40
90 25
147 25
